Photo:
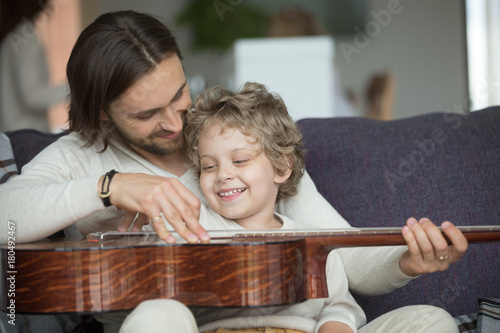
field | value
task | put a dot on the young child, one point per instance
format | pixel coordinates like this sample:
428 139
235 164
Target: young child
249 154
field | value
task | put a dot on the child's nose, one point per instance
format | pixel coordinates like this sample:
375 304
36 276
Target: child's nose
225 173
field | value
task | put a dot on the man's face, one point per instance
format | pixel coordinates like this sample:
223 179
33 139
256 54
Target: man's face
150 115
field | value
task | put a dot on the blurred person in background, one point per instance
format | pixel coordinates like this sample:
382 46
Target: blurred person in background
26 93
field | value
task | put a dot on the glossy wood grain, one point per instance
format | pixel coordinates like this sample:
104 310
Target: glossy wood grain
117 273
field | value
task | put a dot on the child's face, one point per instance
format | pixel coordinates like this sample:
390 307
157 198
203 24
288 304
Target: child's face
239 181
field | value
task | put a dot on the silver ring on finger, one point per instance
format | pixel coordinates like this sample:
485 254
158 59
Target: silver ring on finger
443 258
152 221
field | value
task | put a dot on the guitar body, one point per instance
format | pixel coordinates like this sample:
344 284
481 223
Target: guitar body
118 272
77 276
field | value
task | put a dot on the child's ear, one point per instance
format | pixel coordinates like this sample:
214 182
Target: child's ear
285 171
281 178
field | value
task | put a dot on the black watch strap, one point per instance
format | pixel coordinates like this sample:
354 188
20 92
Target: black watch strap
104 194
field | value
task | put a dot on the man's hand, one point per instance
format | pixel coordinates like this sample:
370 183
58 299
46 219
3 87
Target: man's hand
154 196
428 250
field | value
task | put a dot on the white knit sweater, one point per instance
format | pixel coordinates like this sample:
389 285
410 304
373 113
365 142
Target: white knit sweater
306 316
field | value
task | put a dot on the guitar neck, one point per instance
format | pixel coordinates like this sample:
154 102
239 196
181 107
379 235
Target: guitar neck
328 237
363 236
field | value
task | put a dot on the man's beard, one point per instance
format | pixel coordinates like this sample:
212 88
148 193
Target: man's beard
147 144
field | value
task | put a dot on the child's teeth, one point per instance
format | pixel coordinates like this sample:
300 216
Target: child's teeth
225 194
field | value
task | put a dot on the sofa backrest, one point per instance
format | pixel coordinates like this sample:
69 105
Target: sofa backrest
27 143
443 166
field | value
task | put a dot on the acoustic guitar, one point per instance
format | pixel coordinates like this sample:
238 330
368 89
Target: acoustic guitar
116 271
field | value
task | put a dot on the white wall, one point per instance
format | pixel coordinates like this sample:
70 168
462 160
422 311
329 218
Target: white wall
423 44
299 68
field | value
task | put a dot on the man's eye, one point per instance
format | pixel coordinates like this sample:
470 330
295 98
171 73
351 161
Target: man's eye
145 116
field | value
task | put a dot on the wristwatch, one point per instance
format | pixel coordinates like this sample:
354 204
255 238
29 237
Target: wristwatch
104 194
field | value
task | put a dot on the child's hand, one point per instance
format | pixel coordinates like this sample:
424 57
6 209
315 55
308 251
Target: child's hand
334 327
428 251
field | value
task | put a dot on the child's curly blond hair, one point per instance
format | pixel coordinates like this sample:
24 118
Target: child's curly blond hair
257 113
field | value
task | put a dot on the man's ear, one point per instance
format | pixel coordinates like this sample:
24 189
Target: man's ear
103 116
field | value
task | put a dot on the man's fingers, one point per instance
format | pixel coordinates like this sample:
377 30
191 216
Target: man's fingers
428 250
127 221
183 213
413 247
435 237
160 228
170 212
139 222
423 242
458 241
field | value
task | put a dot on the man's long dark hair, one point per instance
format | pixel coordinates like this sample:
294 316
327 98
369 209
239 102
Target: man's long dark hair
110 55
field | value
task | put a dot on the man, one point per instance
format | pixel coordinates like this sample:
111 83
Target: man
128 102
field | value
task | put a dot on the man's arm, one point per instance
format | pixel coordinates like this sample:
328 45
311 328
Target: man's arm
375 271
41 204
368 271
59 187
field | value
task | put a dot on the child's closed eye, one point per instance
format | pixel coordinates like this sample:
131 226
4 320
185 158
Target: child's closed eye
208 167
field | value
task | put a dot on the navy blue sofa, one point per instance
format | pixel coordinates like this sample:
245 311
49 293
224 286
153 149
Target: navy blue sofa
443 166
